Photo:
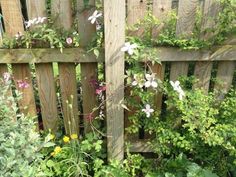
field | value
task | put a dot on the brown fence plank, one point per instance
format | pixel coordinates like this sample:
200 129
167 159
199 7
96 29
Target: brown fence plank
184 27
203 69
3 69
160 9
14 23
225 74
44 75
114 18
136 11
47 96
67 71
88 70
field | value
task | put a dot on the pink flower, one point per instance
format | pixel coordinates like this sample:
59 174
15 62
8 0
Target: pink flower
93 83
69 40
89 117
100 89
22 84
6 76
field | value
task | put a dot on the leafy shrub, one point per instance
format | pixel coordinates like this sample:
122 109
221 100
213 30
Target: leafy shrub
20 144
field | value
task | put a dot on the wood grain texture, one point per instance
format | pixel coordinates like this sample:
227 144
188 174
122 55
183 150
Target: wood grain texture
225 74
13 21
68 85
114 18
203 69
44 75
88 74
136 11
36 8
184 27
74 55
88 70
159 70
161 10
79 55
47 96
3 69
62 9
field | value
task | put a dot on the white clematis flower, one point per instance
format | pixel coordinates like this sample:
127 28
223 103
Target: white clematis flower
138 81
148 110
150 81
94 16
129 48
176 86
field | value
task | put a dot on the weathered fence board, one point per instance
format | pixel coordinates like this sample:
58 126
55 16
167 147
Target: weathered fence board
224 78
184 27
62 11
88 70
47 96
11 11
44 76
203 69
114 21
160 9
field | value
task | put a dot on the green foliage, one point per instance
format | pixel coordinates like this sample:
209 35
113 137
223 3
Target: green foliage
73 157
166 33
42 35
20 144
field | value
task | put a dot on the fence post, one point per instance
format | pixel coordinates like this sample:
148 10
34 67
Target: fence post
114 20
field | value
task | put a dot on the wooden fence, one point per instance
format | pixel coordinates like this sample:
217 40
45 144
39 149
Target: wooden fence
115 12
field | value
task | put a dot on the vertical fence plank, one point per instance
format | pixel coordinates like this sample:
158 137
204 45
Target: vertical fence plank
3 69
184 27
47 96
44 76
114 19
88 70
225 74
14 23
136 12
203 69
67 71
160 10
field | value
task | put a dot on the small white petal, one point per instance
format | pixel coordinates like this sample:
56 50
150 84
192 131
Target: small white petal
130 51
99 15
147 84
151 110
148 114
154 84
134 83
148 106
93 20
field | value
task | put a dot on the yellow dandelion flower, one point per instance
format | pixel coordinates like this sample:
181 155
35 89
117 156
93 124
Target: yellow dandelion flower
57 150
51 136
53 154
66 139
74 136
